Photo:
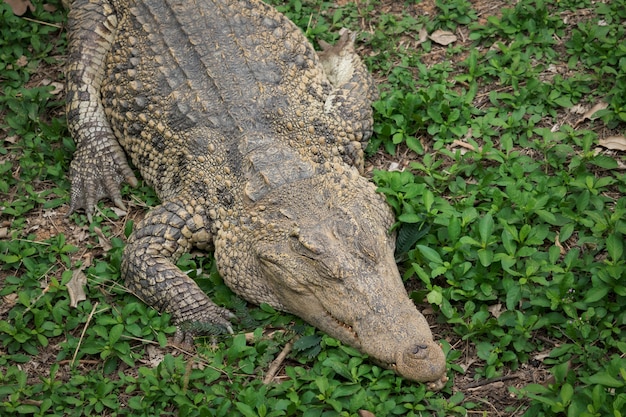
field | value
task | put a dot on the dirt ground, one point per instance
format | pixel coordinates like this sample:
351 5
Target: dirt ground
490 396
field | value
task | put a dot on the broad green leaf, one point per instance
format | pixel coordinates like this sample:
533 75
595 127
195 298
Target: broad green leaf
466 240
428 199
454 229
485 256
435 297
410 218
245 409
322 384
339 368
115 333
513 296
430 254
604 378
9 259
415 145
560 371
567 392
594 294
615 246
485 228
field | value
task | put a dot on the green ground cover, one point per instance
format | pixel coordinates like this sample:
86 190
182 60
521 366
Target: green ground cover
511 224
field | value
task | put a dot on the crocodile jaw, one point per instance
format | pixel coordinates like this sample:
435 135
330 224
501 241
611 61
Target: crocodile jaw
397 338
322 251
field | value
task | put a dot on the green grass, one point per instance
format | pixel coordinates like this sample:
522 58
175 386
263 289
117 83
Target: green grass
517 243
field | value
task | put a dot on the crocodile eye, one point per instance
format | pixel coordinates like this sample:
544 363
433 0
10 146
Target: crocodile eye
313 248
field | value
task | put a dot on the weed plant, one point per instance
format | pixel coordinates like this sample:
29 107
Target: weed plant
516 238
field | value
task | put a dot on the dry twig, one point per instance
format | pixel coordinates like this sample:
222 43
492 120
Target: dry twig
276 364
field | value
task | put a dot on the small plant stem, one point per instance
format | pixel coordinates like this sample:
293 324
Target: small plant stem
484 382
82 334
276 364
39 22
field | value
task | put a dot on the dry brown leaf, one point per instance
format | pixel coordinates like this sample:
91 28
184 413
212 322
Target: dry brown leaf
599 106
578 109
8 301
12 139
557 243
76 288
22 61
470 361
542 355
428 311
20 7
155 356
58 87
589 114
495 310
422 36
616 143
104 242
365 413
464 146
443 37
119 211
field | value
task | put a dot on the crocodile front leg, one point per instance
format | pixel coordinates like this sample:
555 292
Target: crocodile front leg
99 165
148 266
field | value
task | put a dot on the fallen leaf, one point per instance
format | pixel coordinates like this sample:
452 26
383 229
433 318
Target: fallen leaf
104 242
155 356
422 36
20 7
9 301
394 166
428 311
47 214
557 243
600 106
589 114
460 144
616 143
443 37
542 355
12 139
495 310
577 109
22 61
76 288
365 413
466 366
58 87
119 212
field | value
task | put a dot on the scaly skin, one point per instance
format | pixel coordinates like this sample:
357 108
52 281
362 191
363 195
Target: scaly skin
253 142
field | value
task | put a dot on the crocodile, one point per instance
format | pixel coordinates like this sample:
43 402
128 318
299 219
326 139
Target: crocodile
253 142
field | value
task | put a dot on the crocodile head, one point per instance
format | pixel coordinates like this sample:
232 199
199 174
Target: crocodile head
325 254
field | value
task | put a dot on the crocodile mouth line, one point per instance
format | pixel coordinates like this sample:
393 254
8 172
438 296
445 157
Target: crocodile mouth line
355 336
433 385
349 329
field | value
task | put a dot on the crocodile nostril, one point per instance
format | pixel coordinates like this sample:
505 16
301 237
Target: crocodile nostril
418 348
